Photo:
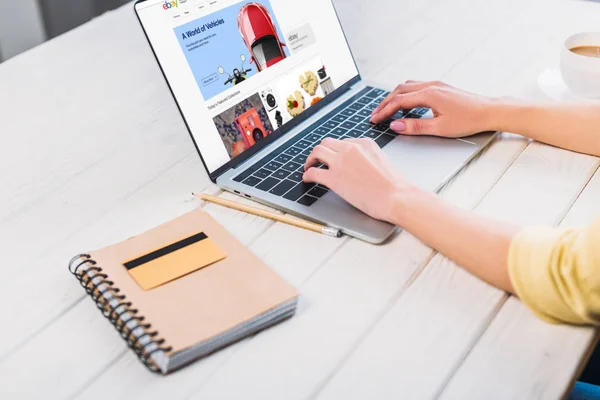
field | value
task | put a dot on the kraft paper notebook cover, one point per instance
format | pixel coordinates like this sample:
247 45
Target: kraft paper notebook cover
191 316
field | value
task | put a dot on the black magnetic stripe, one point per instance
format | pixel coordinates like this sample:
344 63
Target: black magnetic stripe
165 250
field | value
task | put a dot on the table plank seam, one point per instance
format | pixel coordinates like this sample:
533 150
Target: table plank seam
483 327
482 42
319 387
120 199
272 224
500 303
71 306
412 279
107 367
345 241
49 323
324 262
506 296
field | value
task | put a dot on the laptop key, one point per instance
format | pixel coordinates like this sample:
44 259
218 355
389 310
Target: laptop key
420 111
282 188
296 177
267 184
292 166
339 131
340 118
303 144
348 125
371 134
252 181
398 115
239 178
357 119
364 100
356 106
383 140
385 123
321 130
378 100
330 124
281 174
355 133
307 152
364 127
283 158
300 159
365 113
273 165
375 93
262 173
381 127
294 151
348 112
307 200
298 191
318 192
371 106
313 137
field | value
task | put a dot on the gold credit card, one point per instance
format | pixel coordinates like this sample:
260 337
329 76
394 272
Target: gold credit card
174 261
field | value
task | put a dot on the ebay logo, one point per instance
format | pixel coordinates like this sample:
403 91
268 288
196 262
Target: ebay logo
171 4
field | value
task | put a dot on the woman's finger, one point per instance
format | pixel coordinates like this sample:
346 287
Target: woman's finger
425 126
422 98
317 175
320 154
409 87
333 144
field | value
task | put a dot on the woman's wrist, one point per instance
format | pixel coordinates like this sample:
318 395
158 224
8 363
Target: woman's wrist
406 203
505 114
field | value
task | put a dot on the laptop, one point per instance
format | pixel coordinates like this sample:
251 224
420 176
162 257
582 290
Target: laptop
260 84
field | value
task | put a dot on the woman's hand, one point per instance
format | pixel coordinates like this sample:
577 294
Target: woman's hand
456 113
360 173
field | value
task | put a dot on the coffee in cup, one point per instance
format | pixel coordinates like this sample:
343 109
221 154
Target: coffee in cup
580 64
587 51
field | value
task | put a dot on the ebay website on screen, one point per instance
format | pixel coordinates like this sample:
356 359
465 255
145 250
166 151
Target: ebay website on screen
242 70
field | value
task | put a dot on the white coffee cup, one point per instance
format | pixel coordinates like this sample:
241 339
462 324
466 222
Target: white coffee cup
581 73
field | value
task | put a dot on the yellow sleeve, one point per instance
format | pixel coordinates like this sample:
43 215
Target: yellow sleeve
557 273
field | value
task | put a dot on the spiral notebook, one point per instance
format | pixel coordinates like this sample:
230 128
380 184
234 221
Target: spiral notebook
176 310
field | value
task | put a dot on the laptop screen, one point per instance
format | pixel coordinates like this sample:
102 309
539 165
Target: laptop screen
241 70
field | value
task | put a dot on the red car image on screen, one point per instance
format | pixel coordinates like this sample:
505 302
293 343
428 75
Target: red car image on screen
260 35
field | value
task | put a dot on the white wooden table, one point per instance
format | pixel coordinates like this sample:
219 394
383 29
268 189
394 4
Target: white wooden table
93 151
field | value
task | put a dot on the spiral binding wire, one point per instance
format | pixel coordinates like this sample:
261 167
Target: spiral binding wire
102 290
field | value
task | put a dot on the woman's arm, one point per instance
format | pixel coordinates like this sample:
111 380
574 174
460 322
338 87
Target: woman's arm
478 244
555 272
457 113
569 126
361 173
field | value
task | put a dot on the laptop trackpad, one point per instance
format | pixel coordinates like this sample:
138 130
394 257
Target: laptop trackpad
429 161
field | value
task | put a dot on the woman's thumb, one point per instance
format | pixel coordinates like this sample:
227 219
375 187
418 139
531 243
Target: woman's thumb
410 126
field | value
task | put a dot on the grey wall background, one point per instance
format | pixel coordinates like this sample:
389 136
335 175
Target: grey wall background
21 27
63 15
27 23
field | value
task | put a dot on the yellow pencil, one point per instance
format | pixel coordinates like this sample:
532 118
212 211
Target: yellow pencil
286 219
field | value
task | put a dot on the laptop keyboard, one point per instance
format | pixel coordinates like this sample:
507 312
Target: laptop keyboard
280 173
